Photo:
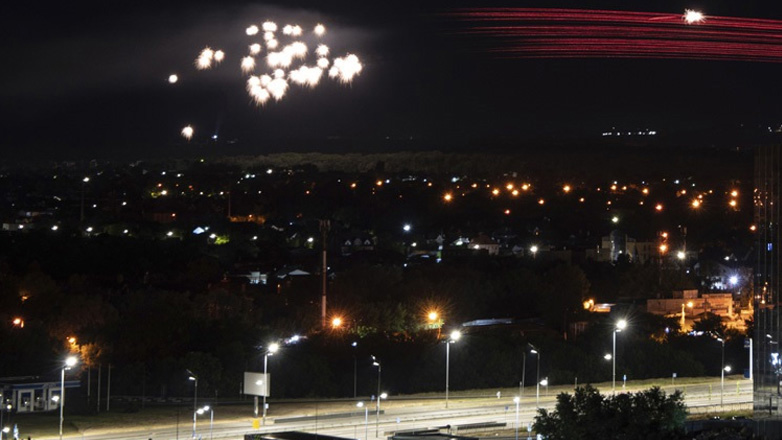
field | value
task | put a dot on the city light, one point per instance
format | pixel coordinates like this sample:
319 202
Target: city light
692 16
336 322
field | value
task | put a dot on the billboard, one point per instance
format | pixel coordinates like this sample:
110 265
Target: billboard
256 384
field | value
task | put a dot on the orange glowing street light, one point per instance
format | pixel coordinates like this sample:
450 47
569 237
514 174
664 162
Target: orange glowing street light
336 322
433 315
663 248
448 197
18 322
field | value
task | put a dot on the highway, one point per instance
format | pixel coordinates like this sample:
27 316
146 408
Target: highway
407 414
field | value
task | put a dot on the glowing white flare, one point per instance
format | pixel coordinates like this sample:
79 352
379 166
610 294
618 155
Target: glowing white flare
252 30
309 76
272 44
323 63
277 88
173 78
260 95
296 31
207 52
346 68
279 73
219 56
692 16
299 49
265 80
287 29
248 64
322 50
269 26
187 132
255 49
268 36
320 29
203 63
253 81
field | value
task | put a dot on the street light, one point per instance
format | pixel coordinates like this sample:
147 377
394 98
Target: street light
201 411
620 325
355 369
70 362
455 335
517 400
366 419
689 304
376 363
81 212
194 378
722 371
273 347
536 352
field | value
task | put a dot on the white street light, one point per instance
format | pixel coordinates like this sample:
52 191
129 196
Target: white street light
376 363
722 372
70 362
517 401
194 378
536 352
201 411
620 325
455 335
366 419
270 350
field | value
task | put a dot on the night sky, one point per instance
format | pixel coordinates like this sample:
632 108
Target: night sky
84 80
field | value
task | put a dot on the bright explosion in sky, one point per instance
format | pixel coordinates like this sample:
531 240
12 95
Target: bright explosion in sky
291 63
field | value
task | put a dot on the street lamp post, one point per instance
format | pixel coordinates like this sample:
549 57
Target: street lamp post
194 378
81 211
355 368
455 335
722 371
366 419
376 363
620 325
201 411
536 352
273 347
70 362
517 400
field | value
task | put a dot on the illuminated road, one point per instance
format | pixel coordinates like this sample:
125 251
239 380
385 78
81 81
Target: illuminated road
400 415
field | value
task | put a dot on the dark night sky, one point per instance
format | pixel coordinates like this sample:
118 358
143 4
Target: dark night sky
83 81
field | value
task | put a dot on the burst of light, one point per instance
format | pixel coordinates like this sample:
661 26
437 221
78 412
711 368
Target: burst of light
323 63
219 56
346 68
173 78
277 88
252 30
287 29
658 207
753 228
681 255
272 44
645 191
663 248
509 187
187 132
507 212
433 315
541 201
322 50
495 191
696 204
732 203
734 193
692 16
255 49
336 322
296 31
615 219
268 36
525 187
515 192
248 64
269 26
203 63
319 29
448 197
566 188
